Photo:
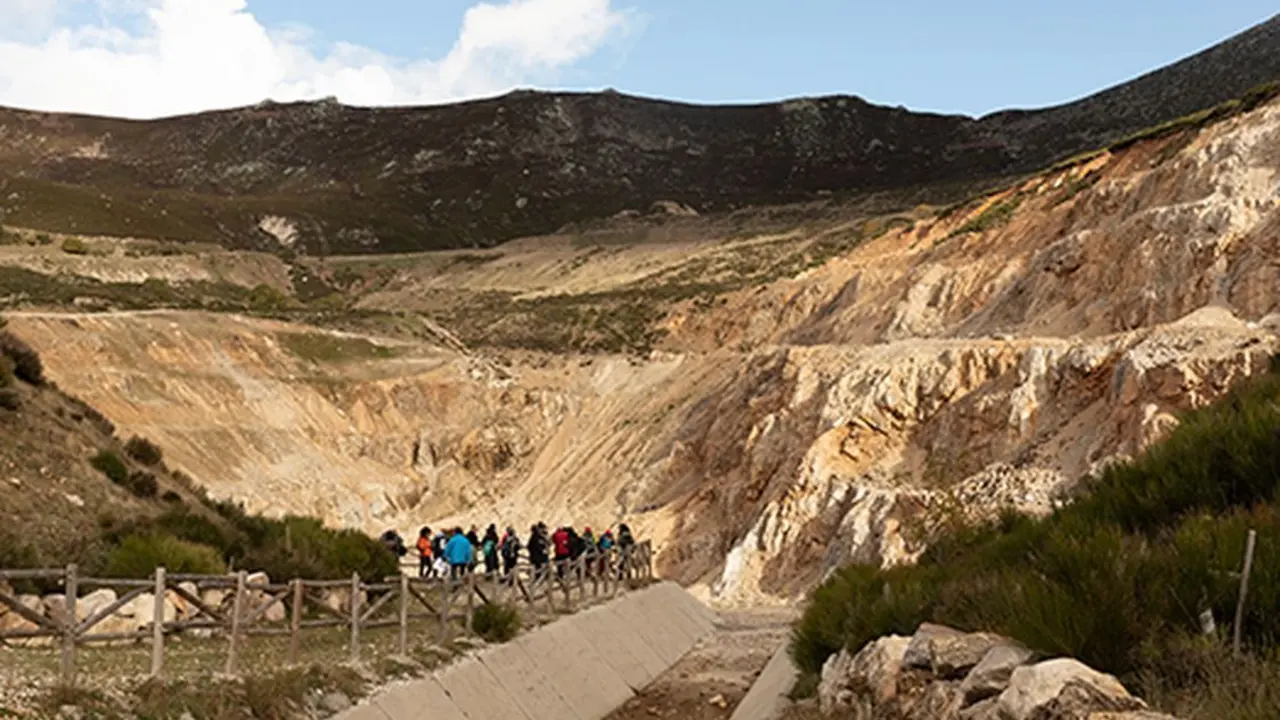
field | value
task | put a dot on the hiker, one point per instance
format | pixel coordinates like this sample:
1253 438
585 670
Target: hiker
538 548
473 536
489 546
437 546
425 568
460 554
605 543
589 549
510 549
560 545
625 543
392 541
576 548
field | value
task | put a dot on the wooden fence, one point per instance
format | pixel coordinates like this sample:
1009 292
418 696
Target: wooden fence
256 607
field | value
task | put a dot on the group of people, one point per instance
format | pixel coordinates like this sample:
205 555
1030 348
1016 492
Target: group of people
455 553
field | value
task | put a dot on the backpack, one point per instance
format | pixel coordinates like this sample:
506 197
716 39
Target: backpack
489 549
510 548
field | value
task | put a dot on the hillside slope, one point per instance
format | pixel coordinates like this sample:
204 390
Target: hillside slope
807 396
328 179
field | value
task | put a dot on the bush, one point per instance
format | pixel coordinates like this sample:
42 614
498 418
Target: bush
142 484
496 622
171 497
110 464
6 371
26 361
313 551
1115 579
143 450
10 399
75 246
138 556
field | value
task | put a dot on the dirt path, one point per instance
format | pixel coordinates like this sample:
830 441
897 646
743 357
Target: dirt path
708 683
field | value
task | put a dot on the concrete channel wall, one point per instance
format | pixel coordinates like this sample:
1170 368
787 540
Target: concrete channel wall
767 697
602 656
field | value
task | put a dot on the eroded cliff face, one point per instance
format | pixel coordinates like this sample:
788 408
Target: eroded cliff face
990 358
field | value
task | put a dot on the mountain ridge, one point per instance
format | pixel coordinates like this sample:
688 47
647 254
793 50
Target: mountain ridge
322 178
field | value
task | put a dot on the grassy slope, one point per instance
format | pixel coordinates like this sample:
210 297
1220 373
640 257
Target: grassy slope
1118 579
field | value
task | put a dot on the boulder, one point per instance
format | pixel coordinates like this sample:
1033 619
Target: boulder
868 678
186 609
14 621
954 655
991 675
920 650
216 598
939 701
55 608
94 602
1062 689
142 610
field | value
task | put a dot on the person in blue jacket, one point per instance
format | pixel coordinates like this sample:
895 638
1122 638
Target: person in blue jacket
458 553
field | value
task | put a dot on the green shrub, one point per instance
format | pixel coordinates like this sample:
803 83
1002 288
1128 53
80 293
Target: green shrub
26 361
44 239
6 371
264 298
304 548
10 399
171 497
1114 579
142 484
75 246
138 556
496 622
108 463
143 450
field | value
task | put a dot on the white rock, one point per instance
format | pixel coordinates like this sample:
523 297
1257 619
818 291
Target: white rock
142 610
1056 688
870 676
991 675
94 602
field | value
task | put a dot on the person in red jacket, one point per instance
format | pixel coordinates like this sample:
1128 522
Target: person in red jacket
560 543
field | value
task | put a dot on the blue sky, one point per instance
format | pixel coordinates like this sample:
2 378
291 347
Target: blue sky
971 57
151 57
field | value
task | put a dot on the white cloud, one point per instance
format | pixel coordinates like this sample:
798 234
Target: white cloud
181 56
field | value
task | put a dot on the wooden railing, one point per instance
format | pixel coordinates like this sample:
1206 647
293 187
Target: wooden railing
395 602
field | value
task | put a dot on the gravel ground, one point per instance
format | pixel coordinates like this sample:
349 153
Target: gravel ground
710 681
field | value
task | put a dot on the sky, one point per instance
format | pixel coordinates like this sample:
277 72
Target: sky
150 58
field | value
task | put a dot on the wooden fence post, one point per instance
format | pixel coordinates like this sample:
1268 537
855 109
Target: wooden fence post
237 609
1244 590
70 583
295 621
157 626
355 618
471 599
404 615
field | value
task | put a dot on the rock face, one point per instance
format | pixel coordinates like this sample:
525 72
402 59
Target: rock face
932 675
528 163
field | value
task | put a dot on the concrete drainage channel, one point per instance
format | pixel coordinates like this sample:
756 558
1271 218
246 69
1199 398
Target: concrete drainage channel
602 656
